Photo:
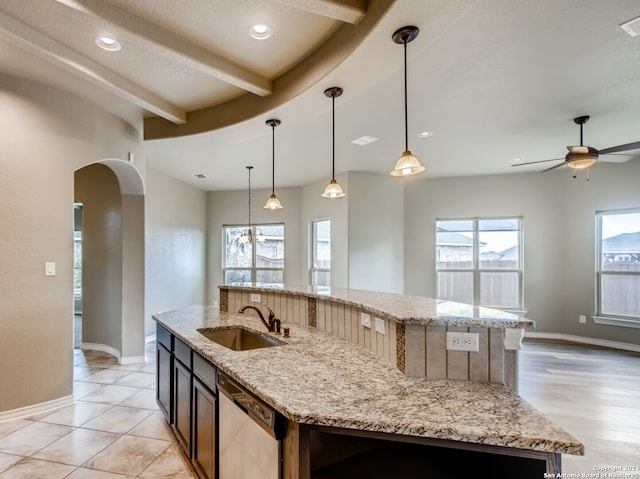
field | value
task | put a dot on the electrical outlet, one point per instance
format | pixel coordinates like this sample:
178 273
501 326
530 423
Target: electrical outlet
582 318
380 325
255 298
365 320
462 341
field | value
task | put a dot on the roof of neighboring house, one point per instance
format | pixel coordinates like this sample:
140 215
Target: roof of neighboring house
622 243
510 253
449 238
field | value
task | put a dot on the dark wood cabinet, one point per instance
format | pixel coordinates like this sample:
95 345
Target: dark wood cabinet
164 373
204 430
186 394
182 405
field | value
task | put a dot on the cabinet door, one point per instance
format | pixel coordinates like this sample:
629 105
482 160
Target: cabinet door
182 405
204 430
164 371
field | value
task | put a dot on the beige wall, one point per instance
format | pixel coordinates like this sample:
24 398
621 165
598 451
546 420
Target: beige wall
45 135
376 232
176 223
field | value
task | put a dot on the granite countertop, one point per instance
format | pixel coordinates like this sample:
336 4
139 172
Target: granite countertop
318 379
401 308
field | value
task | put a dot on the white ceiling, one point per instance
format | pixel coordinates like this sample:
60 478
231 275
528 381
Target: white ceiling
494 79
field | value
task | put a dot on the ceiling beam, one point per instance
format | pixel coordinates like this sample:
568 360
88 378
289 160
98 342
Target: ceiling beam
48 49
187 53
347 11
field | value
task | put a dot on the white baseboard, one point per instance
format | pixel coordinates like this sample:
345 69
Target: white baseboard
150 339
132 360
36 409
584 340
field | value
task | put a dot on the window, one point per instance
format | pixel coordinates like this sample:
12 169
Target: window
321 253
618 268
478 261
258 261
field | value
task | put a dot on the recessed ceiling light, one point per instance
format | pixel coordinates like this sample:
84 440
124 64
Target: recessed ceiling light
364 140
260 31
201 176
108 43
517 160
425 134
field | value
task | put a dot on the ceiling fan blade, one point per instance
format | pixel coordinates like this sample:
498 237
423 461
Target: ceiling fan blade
615 157
553 167
627 147
534 162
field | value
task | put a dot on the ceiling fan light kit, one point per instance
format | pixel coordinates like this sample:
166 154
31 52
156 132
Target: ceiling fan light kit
407 164
581 157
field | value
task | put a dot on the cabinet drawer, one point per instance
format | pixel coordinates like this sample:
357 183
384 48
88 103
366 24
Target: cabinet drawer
205 371
182 352
164 337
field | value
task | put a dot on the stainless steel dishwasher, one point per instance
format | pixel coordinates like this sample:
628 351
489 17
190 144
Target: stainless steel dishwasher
250 433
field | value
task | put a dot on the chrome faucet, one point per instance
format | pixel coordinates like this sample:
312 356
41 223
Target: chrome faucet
272 324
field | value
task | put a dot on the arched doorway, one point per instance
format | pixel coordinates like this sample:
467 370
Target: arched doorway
112 195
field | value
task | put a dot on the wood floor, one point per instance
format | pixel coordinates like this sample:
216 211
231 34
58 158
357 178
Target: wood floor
591 392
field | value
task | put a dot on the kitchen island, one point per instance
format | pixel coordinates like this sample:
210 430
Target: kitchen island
345 410
408 332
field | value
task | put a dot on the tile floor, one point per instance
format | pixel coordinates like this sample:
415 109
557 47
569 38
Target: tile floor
113 431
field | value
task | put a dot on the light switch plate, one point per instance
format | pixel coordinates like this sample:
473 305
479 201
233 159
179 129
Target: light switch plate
49 268
365 320
255 298
380 325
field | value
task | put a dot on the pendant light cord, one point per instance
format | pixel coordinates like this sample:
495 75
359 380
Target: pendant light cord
406 121
333 135
249 168
273 159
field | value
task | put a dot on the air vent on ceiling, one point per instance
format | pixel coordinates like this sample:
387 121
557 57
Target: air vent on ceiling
364 140
632 27
201 176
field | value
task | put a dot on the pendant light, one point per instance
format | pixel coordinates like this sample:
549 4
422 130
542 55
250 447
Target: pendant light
247 234
407 164
333 189
273 203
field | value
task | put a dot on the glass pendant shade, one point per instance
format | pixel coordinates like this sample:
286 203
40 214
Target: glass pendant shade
273 203
333 190
407 164
581 157
246 237
581 163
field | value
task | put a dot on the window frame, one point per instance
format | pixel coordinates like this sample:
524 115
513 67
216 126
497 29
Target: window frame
312 252
253 269
476 271
600 316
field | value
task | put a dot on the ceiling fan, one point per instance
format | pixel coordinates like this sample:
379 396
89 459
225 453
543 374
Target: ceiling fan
583 156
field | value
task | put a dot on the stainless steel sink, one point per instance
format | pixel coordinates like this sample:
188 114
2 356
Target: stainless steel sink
239 339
